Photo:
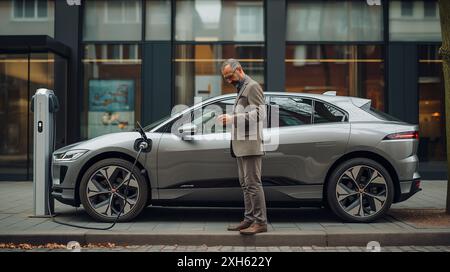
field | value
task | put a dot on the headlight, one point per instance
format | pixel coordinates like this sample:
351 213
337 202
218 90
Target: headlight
70 155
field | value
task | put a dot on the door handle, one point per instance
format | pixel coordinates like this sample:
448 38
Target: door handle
325 144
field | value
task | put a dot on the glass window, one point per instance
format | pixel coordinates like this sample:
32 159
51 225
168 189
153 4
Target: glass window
431 109
42 8
112 88
325 113
219 20
197 69
14 115
414 21
112 20
334 21
350 70
429 9
20 76
30 9
407 8
292 111
380 114
158 20
206 122
31 17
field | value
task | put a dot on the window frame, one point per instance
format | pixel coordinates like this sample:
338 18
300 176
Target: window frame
161 128
238 36
193 42
269 114
123 17
425 10
357 44
176 60
345 113
35 18
313 104
381 39
403 8
112 62
206 105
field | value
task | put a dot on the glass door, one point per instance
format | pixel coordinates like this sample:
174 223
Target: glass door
431 111
20 76
14 111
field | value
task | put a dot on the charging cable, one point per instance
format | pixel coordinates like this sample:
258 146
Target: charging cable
143 145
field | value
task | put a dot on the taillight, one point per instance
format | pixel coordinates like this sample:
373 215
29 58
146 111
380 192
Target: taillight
403 135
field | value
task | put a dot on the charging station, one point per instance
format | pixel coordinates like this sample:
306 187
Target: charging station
44 105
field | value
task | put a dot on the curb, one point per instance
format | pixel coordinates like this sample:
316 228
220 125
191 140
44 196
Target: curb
307 238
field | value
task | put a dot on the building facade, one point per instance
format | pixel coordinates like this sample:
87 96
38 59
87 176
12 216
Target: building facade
115 62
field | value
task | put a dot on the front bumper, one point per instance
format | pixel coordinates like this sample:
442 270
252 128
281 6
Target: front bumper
409 188
64 179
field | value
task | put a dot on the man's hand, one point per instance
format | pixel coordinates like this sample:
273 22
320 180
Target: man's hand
225 119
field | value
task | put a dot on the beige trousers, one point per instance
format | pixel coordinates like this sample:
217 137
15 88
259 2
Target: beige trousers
249 168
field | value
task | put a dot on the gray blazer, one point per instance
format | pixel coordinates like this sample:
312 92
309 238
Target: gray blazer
249 114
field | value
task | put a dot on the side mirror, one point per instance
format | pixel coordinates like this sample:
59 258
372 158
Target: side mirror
187 130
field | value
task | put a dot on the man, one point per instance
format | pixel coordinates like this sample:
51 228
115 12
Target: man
246 145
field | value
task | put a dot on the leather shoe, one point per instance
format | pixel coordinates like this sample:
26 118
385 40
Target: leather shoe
254 229
242 225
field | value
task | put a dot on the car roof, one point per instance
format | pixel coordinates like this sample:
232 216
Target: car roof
334 99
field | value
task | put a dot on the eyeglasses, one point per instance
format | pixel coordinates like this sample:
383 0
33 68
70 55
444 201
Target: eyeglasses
230 75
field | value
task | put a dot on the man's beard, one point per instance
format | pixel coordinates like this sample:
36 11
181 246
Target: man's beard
237 83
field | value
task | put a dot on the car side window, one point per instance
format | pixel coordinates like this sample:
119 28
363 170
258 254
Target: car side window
292 111
326 113
206 119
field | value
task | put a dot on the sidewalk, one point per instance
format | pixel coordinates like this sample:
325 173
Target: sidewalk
207 226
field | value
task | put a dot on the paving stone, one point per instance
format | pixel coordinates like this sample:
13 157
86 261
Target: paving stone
16 206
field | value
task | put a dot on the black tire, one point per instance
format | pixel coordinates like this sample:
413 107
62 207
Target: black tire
137 190
355 197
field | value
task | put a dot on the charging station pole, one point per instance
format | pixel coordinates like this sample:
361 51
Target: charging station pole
44 104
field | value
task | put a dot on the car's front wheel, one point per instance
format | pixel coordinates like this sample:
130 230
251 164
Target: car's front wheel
109 187
360 190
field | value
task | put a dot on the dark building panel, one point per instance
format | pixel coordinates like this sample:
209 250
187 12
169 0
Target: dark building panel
157 81
402 89
275 44
67 30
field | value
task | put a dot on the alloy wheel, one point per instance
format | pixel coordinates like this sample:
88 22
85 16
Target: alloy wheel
361 191
109 192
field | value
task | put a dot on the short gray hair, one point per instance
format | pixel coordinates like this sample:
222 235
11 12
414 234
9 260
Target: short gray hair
232 62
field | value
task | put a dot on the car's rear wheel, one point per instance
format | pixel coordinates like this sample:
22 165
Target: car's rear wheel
360 190
106 190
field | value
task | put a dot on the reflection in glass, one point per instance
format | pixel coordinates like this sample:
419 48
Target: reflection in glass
347 69
334 21
219 20
293 112
17 86
158 20
14 115
197 69
112 20
112 88
431 108
414 21
31 17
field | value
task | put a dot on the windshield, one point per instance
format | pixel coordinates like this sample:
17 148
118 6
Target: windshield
156 123
382 115
162 120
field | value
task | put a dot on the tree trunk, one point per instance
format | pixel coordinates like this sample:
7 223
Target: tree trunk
444 12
